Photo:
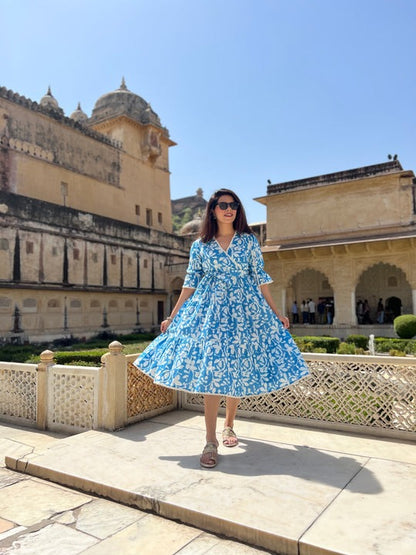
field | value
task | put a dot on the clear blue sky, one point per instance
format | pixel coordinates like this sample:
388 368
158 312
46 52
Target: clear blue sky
249 89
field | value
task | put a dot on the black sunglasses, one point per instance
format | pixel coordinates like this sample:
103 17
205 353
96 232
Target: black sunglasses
224 205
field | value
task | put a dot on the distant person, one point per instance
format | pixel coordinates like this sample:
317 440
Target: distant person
305 312
380 311
295 312
366 313
330 310
311 308
360 311
321 311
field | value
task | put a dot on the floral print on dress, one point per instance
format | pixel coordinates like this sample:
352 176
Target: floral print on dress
225 339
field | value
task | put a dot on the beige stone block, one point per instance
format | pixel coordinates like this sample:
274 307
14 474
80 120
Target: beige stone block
102 518
32 501
381 521
148 536
51 540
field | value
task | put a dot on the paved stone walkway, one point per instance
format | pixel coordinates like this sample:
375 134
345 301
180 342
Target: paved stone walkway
41 517
284 489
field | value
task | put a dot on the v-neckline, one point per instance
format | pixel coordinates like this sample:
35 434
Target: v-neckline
229 244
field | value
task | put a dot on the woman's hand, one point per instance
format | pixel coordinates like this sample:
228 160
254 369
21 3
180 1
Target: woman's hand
267 295
285 321
165 324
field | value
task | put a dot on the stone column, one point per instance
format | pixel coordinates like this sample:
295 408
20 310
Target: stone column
343 288
353 305
46 362
414 301
285 311
112 401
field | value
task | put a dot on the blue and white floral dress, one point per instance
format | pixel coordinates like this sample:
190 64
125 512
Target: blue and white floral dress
225 339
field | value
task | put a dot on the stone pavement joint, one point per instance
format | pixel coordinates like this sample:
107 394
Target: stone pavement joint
286 489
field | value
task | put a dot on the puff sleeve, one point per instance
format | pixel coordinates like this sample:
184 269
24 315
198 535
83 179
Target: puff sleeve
194 272
257 262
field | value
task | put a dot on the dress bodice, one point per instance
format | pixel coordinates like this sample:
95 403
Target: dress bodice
242 258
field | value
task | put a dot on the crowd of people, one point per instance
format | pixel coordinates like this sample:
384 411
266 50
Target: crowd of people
363 312
322 312
310 312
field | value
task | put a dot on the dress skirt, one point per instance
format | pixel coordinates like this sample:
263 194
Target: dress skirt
225 339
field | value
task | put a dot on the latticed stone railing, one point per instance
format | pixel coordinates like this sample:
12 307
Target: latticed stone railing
79 398
367 394
144 398
18 385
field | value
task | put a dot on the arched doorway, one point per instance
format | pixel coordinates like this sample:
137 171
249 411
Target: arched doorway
175 291
393 308
386 282
312 284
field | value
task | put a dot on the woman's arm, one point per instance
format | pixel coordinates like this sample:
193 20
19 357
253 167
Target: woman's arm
269 299
186 293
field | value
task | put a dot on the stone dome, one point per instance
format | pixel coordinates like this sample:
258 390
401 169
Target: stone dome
50 103
123 102
191 228
79 115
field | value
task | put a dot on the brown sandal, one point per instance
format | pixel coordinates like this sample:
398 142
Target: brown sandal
209 457
229 438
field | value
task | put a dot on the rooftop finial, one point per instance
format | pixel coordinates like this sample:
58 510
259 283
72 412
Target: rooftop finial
123 86
49 91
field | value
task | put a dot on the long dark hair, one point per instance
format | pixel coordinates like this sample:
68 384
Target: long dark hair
209 226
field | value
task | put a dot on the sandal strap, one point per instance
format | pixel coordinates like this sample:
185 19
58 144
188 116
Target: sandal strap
210 447
228 432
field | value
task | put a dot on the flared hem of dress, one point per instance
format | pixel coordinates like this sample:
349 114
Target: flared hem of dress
222 394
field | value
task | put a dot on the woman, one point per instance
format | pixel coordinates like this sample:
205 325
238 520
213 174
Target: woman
225 335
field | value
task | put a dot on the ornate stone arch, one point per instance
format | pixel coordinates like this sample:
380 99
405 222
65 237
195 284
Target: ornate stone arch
309 283
384 281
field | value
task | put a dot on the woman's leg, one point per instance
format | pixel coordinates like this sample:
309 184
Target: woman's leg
229 439
230 411
211 404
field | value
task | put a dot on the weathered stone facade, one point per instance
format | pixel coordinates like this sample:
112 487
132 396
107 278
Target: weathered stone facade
115 165
345 236
75 273
85 219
